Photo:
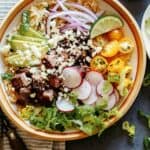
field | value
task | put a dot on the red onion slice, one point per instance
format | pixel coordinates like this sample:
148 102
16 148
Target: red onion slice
76 5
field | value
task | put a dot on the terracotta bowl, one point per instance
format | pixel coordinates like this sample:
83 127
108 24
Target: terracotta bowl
138 61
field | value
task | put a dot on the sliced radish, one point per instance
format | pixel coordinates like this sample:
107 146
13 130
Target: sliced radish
92 98
72 77
84 90
64 105
94 77
111 102
104 88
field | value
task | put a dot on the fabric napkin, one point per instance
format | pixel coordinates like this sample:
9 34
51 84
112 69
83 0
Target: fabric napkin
32 144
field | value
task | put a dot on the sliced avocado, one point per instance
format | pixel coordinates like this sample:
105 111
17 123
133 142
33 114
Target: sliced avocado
31 33
27 38
22 45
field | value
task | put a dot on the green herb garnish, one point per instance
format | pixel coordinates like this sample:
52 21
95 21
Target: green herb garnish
7 76
129 128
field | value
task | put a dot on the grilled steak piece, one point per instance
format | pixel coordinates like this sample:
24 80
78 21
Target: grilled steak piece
20 80
23 95
38 83
24 70
54 81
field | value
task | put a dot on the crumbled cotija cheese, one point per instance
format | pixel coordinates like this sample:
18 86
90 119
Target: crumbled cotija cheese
67 47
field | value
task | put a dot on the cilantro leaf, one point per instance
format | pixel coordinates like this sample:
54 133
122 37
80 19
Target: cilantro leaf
7 76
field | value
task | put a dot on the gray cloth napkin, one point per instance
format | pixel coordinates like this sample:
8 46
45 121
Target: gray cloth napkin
32 144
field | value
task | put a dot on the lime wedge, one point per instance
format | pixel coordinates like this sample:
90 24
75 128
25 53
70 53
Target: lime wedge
105 24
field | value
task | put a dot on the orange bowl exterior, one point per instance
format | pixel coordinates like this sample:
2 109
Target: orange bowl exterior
74 135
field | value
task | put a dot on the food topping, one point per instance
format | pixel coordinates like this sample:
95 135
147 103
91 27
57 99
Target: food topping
126 45
98 63
110 49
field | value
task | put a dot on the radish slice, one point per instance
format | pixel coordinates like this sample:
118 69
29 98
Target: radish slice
92 98
111 102
84 90
64 105
94 77
104 88
72 77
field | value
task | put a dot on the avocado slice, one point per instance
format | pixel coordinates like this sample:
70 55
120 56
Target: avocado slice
31 33
27 38
23 45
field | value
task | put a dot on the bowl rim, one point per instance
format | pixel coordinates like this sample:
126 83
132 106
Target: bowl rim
67 136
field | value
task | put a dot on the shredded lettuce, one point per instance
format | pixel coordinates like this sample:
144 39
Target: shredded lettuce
129 128
86 118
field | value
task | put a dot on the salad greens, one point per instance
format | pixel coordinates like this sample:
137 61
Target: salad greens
129 128
86 118
7 76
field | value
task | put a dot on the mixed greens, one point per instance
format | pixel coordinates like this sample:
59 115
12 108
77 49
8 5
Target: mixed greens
88 119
